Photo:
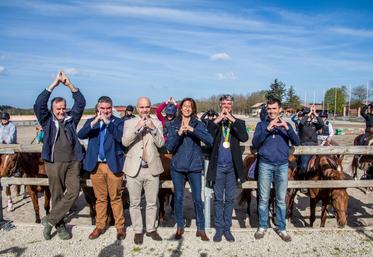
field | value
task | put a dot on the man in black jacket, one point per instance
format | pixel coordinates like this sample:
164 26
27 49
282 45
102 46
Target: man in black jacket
225 165
367 113
61 152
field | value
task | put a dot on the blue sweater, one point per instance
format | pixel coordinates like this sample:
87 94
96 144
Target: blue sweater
273 145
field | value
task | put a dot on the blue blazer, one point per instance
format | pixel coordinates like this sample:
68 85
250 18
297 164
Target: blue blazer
114 150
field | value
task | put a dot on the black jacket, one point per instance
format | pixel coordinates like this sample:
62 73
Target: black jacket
238 134
368 118
307 130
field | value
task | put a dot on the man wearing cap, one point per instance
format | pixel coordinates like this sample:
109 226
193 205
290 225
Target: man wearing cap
128 113
325 134
8 132
104 160
225 165
170 108
143 136
62 152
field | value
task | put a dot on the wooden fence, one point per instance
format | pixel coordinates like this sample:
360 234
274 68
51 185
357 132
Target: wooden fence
207 192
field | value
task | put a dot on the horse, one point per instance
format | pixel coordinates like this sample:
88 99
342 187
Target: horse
165 194
363 162
31 166
327 168
245 195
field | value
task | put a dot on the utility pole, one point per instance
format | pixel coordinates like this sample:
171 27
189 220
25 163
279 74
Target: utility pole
335 102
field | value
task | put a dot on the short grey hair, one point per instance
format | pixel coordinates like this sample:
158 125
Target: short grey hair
226 98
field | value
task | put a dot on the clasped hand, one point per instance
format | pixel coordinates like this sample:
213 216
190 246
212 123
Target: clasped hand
277 122
224 115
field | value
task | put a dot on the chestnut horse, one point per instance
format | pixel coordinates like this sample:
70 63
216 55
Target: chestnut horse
165 194
363 162
327 168
3 162
31 166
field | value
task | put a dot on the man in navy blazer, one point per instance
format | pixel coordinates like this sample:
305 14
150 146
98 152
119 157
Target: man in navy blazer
105 160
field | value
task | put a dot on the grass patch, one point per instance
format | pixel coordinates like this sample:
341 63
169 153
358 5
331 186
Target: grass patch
136 249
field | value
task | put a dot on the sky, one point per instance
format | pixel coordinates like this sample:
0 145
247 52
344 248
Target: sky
161 48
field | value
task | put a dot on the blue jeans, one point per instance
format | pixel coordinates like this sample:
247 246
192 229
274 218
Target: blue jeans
279 174
195 181
303 163
224 194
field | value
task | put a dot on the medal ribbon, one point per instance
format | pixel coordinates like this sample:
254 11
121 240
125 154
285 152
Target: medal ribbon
226 132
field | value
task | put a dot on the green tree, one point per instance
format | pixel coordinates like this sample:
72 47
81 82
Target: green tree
292 100
358 95
335 99
277 90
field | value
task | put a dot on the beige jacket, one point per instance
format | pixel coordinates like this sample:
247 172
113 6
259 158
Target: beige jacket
135 141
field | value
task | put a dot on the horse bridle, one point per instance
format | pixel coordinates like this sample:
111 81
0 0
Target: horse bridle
13 170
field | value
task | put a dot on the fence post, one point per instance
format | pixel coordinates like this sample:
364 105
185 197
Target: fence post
207 194
1 202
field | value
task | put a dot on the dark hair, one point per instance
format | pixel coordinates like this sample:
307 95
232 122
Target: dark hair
273 101
194 105
105 99
226 97
57 100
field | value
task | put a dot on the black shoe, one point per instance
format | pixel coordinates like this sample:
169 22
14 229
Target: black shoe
228 235
47 228
138 239
154 235
218 236
63 233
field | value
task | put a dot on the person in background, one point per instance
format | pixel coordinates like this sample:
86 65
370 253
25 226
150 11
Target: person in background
210 115
272 138
184 143
170 108
307 131
128 113
8 132
367 113
62 152
326 133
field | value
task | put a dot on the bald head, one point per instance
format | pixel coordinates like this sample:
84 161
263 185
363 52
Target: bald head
143 106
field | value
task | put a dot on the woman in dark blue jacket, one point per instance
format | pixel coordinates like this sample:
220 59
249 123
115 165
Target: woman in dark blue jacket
184 142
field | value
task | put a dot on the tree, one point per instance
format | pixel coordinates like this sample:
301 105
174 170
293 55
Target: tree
292 100
277 90
358 96
336 97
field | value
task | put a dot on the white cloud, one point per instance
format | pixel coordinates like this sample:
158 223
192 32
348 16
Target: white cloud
220 56
226 76
353 32
2 70
71 71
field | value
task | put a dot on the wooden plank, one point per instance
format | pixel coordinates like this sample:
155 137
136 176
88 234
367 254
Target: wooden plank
246 185
298 150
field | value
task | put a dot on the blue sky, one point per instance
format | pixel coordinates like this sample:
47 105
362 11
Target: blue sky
125 49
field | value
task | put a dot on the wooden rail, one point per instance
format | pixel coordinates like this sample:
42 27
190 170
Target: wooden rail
298 150
246 185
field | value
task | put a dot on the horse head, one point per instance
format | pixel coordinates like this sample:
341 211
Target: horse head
339 200
9 164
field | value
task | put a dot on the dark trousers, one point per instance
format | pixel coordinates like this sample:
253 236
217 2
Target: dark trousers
195 182
224 194
64 184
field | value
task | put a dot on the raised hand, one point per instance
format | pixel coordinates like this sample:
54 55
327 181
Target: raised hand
149 123
141 123
282 123
272 124
56 81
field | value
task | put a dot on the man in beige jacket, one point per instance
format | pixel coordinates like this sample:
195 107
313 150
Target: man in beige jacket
143 136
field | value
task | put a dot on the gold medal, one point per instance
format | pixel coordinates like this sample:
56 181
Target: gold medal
226 144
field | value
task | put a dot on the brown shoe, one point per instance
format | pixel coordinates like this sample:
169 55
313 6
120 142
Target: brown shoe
96 233
138 239
121 234
154 235
179 233
202 235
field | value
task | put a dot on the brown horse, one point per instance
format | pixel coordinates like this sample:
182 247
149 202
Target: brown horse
327 168
31 166
290 195
165 194
362 162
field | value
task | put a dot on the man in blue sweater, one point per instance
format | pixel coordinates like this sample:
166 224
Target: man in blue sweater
271 139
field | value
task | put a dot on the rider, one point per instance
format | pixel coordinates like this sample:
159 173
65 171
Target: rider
367 113
8 132
209 115
325 134
128 113
170 108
